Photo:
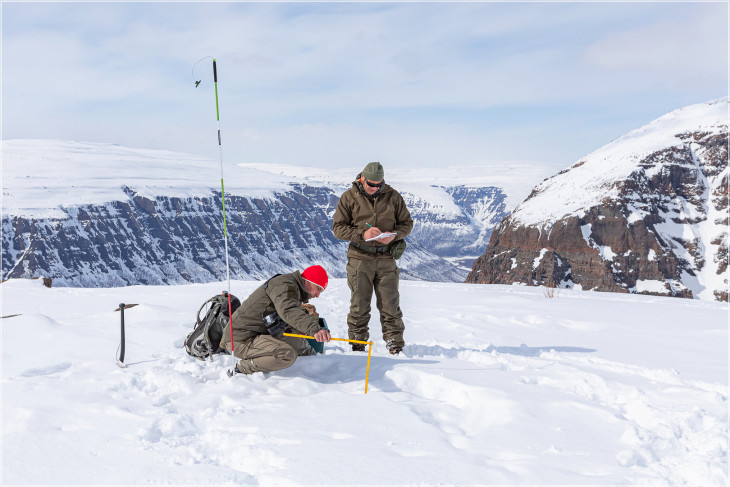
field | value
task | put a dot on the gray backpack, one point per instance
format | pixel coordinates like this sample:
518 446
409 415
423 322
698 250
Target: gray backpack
204 341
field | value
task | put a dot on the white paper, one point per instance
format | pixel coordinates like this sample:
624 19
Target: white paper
382 235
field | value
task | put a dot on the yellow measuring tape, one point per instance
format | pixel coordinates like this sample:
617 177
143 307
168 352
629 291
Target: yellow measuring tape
369 344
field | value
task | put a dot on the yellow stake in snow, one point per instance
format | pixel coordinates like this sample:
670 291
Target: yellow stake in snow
369 344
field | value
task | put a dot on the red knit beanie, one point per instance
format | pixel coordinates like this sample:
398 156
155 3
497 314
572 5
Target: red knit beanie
316 275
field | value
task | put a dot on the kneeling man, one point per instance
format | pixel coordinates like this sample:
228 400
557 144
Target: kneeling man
259 323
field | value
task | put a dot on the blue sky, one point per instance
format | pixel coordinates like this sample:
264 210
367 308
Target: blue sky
339 84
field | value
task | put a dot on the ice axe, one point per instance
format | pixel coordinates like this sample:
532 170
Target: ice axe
120 359
369 344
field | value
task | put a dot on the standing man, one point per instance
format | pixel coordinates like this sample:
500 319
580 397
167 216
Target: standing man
259 322
368 209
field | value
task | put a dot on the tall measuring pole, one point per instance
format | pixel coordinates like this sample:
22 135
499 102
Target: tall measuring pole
223 200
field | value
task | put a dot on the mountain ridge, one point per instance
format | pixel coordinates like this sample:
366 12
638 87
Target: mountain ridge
646 213
104 215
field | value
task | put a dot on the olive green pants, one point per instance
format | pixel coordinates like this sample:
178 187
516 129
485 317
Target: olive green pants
265 353
381 276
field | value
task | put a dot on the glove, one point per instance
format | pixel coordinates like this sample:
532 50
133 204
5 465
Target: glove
310 309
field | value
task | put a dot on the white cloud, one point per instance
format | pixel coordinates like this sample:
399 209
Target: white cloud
421 82
692 50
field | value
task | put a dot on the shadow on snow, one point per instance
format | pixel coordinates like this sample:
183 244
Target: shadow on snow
523 350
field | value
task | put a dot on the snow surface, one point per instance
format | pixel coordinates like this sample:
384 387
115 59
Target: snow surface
497 385
515 179
590 180
42 177
652 286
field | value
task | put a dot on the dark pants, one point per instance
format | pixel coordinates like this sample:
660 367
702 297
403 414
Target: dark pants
381 276
265 353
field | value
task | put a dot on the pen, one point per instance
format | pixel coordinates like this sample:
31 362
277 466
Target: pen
366 223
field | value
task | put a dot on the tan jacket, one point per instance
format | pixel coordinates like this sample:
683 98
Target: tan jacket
386 210
283 294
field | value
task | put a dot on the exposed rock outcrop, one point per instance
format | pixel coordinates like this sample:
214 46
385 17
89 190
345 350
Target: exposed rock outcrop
647 213
161 240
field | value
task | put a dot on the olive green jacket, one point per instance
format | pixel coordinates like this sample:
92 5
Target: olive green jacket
356 209
283 294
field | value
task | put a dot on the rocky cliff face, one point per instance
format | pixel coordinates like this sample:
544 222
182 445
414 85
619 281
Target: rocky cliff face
647 213
83 229
172 240
459 221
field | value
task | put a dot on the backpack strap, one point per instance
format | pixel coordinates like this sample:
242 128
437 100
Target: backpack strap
266 291
203 306
266 284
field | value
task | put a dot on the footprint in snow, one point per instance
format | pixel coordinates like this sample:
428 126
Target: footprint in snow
49 370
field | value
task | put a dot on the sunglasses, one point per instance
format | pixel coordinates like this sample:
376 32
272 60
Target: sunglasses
374 185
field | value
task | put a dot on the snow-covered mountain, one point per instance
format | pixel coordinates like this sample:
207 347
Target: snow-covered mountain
89 214
647 213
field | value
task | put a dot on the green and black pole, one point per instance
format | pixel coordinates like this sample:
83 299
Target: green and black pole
223 198
223 191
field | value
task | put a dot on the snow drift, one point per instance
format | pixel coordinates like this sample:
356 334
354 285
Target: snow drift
497 385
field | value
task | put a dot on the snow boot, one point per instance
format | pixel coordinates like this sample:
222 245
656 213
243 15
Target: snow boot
394 348
239 368
358 347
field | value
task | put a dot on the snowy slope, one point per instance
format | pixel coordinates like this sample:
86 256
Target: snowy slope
41 176
516 179
647 213
592 180
497 385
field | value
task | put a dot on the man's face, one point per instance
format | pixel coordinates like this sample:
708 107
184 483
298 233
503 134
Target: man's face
313 289
370 187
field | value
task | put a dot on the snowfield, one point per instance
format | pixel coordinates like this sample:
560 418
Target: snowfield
40 177
497 385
